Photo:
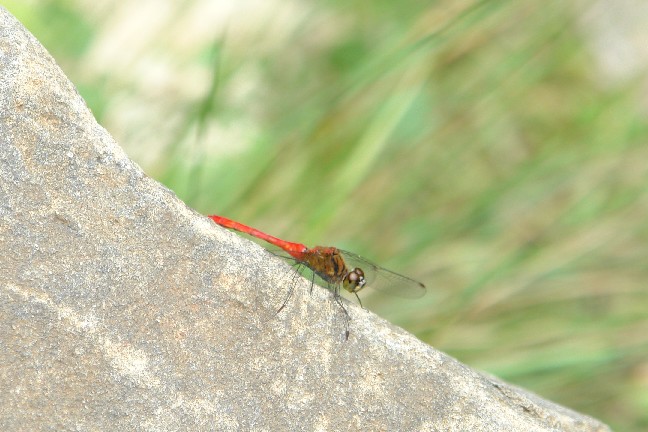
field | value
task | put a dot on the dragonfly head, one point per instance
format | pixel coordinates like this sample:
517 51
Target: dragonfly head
354 281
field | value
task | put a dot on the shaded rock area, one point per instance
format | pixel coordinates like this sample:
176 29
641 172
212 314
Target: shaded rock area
123 309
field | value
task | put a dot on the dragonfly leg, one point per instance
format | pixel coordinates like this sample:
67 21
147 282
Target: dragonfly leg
359 301
347 317
294 277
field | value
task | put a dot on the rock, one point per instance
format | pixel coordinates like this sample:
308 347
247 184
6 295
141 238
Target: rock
123 309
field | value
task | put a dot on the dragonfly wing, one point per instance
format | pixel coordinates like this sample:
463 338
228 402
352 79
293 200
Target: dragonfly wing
384 280
378 278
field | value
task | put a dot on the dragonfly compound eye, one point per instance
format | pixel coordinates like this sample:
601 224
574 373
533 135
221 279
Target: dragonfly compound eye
354 281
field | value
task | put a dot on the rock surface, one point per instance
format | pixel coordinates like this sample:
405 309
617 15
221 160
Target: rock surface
122 309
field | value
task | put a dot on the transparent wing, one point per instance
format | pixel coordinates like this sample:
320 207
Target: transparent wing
377 277
384 280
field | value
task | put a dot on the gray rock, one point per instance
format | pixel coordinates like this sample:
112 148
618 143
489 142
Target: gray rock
123 309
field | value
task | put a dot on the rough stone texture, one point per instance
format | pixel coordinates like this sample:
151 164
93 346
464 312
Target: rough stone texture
122 309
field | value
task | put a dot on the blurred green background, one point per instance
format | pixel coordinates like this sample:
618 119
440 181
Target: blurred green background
495 150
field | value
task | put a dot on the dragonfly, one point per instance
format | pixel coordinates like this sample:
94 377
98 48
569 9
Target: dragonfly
337 268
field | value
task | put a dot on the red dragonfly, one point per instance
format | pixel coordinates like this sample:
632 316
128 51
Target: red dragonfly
336 267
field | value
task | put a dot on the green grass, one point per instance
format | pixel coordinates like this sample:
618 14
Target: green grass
472 145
